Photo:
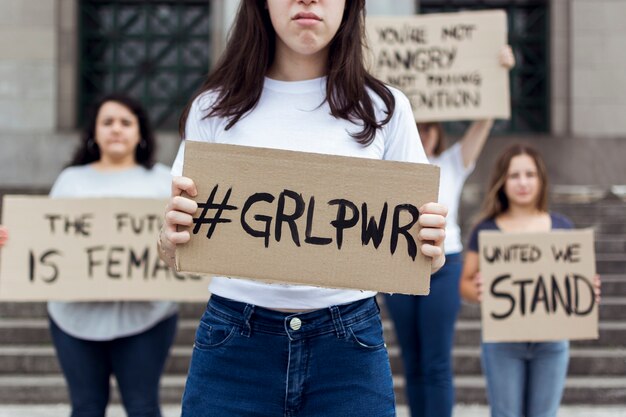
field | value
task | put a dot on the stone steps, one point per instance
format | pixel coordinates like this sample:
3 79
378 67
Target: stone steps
41 360
50 389
612 306
35 332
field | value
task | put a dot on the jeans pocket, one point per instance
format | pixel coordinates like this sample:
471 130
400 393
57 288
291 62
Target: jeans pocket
368 334
213 332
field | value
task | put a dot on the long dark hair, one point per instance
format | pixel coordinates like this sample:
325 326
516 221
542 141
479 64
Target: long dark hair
239 74
496 201
88 151
442 144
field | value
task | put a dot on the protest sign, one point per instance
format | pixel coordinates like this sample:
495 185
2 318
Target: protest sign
88 250
447 64
295 217
538 286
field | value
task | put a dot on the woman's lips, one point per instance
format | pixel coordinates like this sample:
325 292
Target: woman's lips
307 18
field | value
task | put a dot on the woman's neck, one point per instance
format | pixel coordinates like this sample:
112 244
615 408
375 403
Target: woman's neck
524 219
110 164
290 66
522 211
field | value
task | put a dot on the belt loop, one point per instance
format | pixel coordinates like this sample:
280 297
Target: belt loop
341 331
247 313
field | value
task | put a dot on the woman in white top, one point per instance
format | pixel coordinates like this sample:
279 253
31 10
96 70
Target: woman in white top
292 77
425 325
131 340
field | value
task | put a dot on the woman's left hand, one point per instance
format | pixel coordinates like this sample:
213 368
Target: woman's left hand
506 57
433 222
597 284
4 235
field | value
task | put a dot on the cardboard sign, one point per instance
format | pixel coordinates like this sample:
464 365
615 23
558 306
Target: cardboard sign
88 250
538 286
295 217
447 64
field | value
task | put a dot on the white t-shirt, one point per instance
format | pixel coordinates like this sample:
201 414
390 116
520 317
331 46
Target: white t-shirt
453 176
295 116
101 321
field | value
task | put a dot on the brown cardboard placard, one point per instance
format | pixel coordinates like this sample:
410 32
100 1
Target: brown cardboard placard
538 286
101 249
260 190
446 64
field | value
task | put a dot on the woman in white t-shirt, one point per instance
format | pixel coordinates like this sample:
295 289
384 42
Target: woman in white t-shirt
292 77
425 325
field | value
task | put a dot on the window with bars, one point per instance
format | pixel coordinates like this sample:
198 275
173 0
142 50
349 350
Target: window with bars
528 22
155 51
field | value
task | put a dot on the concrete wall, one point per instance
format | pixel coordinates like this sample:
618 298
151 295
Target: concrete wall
67 63
598 78
28 65
560 67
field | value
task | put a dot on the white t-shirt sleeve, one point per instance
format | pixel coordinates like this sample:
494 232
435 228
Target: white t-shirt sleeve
402 140
63 185
452 159
197 128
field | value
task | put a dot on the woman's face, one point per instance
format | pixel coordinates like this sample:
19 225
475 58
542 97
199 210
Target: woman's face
430 138
523 185
117 131
305 27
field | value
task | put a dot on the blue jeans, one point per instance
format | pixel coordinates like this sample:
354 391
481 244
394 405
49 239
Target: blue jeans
249 361
137 362
425 330
525 379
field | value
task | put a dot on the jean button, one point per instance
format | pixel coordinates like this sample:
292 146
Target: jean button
295 323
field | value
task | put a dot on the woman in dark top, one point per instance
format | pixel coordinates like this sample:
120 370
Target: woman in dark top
523 379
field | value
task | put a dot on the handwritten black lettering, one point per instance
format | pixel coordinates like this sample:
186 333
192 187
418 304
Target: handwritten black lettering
569 254
79 226
459 32
548 292
290 219
405 229
253 199
369 229
406 34
149 223
445 99
308 237
421 60
525 253
341 222
44 261
139 262
114 261
498 294
217 218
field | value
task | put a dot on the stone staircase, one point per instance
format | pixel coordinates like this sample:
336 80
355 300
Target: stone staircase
29 372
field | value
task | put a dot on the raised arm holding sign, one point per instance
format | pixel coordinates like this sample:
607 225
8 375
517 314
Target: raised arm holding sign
518 276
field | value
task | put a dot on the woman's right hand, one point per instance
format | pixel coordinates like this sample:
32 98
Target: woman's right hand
476 293
4 235
178 212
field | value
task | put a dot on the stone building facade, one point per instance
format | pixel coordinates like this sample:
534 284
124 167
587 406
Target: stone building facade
585 144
